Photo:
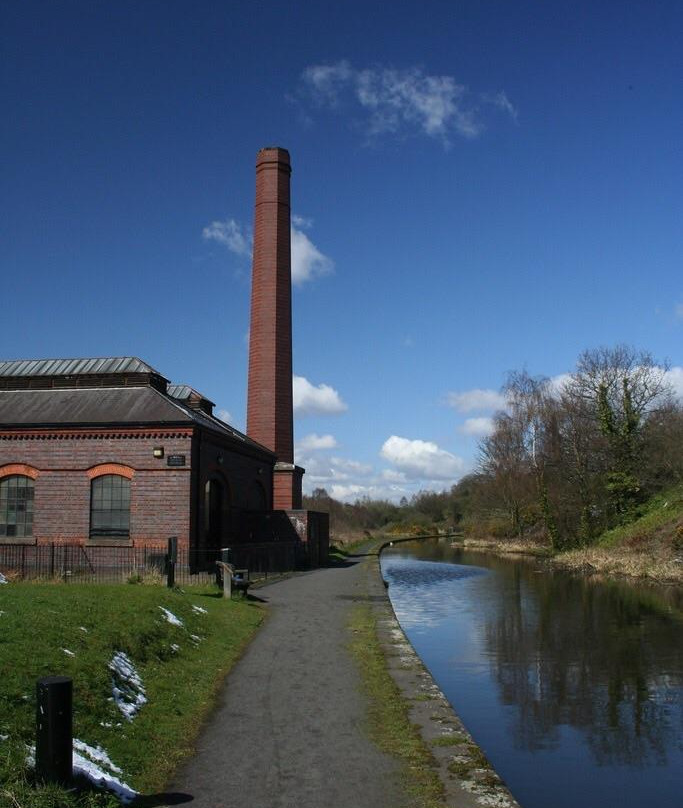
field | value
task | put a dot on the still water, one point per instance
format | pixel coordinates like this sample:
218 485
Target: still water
573 687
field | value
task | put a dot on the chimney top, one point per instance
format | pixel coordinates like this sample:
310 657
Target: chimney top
272 154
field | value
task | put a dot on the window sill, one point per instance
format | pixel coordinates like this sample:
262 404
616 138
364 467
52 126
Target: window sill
109 543
18 540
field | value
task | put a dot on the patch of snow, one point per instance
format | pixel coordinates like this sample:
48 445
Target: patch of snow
83 628
3 580
126 685
199 610
96 754
4 737
67 652
175 647
196 638
170 617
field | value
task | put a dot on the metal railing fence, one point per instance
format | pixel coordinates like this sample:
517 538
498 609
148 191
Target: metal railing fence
74 563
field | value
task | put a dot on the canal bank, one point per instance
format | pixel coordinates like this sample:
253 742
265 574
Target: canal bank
572 684
467 778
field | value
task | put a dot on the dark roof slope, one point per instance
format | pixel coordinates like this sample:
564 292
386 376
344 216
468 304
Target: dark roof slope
108 406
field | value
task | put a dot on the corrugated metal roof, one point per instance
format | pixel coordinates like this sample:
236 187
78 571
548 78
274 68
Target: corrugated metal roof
113 406
99 405
75 367
180 391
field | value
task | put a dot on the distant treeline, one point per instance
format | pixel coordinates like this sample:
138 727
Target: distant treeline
565 461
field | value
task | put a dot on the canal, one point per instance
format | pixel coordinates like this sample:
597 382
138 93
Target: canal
573 686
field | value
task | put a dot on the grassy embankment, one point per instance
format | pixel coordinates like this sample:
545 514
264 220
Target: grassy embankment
650 546
48 629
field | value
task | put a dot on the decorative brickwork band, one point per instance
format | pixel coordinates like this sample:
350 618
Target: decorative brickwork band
110 468
19 468
269 405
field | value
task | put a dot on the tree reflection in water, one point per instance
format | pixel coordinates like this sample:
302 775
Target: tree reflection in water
598 657
583 669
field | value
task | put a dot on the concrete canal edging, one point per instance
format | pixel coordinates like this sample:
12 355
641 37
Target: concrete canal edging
468 778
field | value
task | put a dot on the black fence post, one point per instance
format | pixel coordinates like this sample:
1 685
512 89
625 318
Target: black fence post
54 732
171 558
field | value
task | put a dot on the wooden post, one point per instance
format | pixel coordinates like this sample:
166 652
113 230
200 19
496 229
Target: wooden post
226 574
54 732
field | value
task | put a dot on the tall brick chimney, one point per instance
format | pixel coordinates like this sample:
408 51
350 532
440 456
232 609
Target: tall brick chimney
269 397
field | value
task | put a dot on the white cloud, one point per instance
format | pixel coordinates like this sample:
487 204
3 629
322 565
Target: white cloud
477 399
224 415
313 442
315 400
325 470
395 100
237 238
503 103
393 476
301 221
343 468
477 426
674 376
307 260
559 382
419 458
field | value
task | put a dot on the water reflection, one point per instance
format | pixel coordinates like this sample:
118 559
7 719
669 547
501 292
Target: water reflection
580 674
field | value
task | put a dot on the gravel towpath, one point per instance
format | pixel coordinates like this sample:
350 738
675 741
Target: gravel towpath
287 731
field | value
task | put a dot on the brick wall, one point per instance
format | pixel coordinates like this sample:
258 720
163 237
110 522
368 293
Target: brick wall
160 495
247 480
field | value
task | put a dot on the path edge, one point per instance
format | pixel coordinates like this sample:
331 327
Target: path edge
468 778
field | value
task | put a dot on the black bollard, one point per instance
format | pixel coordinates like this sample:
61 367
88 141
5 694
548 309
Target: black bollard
54 733
171 558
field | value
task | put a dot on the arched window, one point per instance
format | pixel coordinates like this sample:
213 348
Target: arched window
16 506
110 507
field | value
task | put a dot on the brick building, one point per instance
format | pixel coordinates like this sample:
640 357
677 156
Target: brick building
107 452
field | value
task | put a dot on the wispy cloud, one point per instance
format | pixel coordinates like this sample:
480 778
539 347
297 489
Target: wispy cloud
313 443
477 427
476 400
224 415
231 234
423 459
399 101
675 378
310 399
308 262
679 311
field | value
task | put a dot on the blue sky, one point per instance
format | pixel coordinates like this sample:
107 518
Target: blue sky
478 187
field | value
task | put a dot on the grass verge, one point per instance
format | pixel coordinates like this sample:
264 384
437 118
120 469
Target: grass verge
649 547
388 723
74 631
